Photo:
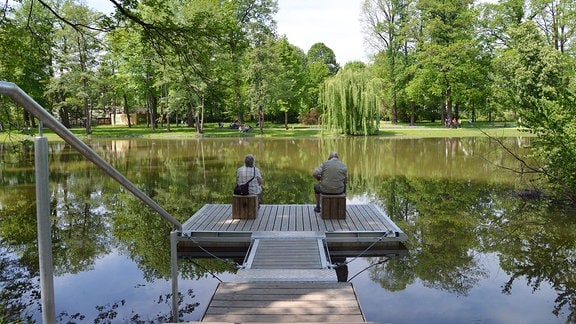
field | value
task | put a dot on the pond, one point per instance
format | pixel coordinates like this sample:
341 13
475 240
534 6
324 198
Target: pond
483 246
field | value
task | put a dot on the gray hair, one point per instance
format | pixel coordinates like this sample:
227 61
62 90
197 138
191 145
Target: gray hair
249 160
333 155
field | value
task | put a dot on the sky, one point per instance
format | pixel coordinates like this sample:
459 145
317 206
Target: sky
336 23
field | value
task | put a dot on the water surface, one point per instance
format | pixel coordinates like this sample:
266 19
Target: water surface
477 251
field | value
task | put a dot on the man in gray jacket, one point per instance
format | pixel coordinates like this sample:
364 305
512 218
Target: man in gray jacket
332 176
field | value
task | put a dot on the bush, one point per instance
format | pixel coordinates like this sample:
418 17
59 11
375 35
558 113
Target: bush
309 118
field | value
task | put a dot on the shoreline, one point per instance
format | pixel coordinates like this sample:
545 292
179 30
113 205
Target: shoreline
212 130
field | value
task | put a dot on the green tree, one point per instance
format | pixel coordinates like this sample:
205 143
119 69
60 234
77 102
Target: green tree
351 102
138 71
388 22
289 82
261 77
320 63
540 79
26 32
246 23
445 55
320 53
557 20
75 61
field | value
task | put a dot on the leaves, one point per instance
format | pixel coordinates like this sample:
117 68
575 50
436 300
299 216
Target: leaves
351 100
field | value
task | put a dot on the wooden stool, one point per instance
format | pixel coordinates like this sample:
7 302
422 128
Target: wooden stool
333 206
244 207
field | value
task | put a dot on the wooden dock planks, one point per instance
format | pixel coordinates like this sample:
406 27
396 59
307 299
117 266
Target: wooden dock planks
287 253
212 227
282 302
359 218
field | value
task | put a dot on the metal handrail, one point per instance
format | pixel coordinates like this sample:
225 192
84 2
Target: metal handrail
20 97
44 241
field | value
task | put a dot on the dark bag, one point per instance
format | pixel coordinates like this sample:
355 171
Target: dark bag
244 189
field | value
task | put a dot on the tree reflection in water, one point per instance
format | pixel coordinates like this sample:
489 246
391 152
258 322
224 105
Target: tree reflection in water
445 194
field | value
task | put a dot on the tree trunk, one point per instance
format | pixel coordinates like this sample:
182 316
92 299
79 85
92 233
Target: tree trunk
449 112
87 110
190 116
201 121
237 81
127 111
153 108
261 120
166 110
114 105
63 111
64 117
88 114
449 106
412 113
443 115
394 111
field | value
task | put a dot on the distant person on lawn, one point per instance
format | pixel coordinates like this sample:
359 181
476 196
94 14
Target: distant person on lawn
332 177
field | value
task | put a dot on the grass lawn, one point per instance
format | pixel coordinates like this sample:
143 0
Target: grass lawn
421 130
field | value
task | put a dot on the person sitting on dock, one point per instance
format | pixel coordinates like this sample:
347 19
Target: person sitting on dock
332 177
246 172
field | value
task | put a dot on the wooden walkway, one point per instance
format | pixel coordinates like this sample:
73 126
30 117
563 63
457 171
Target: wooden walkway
287 274
287 256
283 302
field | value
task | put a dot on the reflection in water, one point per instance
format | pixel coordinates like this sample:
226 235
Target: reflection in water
449 195
341 269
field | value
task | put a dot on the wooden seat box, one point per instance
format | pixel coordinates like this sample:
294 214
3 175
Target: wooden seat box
333 206
244 207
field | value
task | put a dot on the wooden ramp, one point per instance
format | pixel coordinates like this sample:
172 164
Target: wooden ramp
283 302
287 256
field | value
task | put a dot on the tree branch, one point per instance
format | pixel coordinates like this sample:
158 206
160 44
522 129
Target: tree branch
76 26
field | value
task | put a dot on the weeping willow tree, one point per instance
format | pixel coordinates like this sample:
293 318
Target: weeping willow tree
351 102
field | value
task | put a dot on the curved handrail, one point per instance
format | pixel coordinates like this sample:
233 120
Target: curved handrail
23 99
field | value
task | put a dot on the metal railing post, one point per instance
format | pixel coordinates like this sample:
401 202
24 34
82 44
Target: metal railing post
44 230
174 268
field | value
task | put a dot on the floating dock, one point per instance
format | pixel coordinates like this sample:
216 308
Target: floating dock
287 273
213 228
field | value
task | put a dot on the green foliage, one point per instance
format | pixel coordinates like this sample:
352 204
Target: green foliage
351 101
320 53
276 80
391 32
538 82
214 60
